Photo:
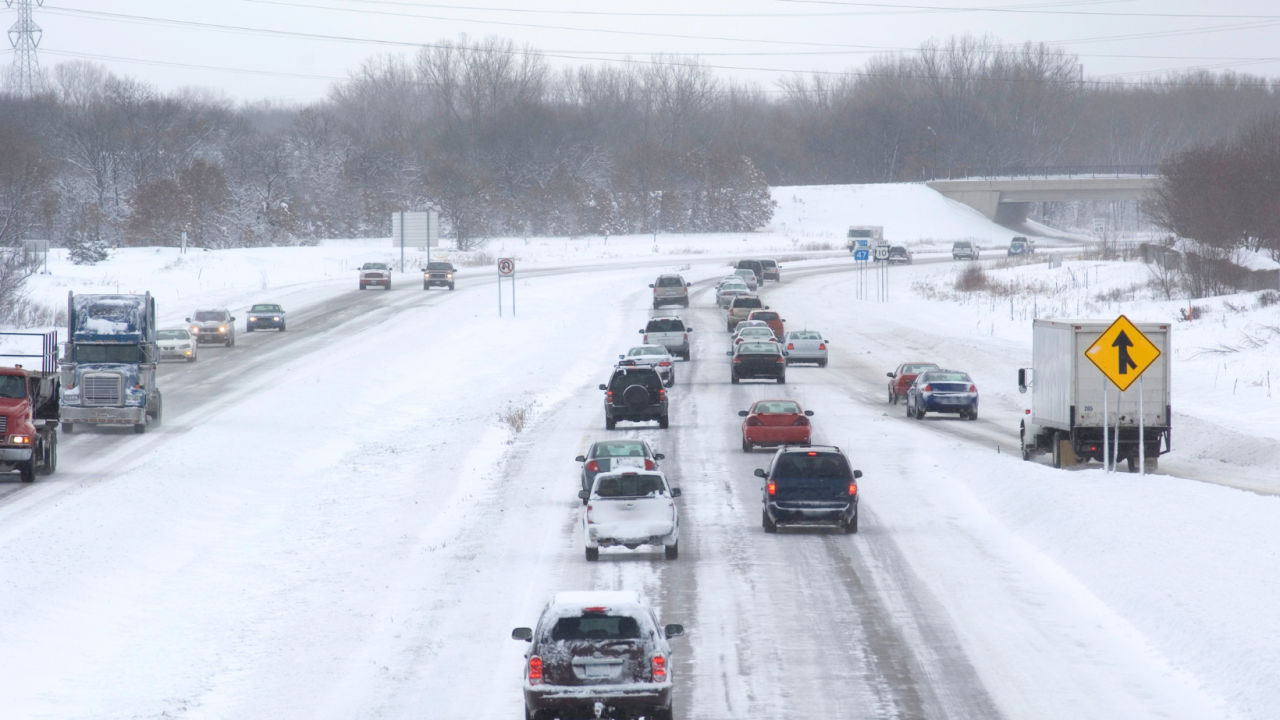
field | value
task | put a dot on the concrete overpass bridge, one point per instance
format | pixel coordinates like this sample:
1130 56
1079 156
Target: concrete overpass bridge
1006 200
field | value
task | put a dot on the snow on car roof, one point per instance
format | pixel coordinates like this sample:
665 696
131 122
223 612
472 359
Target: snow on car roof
574 601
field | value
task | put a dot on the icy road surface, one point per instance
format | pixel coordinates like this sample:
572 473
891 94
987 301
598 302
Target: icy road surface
334 523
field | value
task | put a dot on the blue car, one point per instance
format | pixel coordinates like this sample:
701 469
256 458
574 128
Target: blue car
943 391
264 316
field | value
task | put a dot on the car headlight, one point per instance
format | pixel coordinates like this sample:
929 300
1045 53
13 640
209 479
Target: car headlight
222 329
276 319
253 319
450 276
195 330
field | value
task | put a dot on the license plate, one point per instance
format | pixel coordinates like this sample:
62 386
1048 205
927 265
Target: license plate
599 671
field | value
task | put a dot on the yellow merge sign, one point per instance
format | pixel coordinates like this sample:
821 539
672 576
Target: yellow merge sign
1122 353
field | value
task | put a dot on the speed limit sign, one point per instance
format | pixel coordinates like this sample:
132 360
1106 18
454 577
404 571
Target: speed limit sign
506 266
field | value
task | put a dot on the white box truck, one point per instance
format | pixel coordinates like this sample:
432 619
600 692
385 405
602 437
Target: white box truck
1066 418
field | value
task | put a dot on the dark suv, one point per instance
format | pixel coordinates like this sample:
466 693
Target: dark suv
437 274
634 393
754 266
598 654
811 485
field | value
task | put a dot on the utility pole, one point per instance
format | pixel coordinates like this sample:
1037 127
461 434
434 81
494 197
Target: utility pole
25 37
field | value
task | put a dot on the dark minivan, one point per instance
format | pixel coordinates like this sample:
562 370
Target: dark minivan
810 486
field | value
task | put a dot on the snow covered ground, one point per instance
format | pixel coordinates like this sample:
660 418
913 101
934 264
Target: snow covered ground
338 522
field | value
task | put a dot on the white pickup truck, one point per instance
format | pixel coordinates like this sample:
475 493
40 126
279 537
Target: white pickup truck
669 332
631 508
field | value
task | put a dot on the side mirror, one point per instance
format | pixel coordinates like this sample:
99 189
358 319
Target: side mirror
730 353
743 413
888 374
673 630
603 386
785 353
188 319
1023 381
760 473
688 329
233 318
584 494
675 492
857 474
641 331
766 307
809 413
659 456
650 284
622 357
525 634
580 458
688 284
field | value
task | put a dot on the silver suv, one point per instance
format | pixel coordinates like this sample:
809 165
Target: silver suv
670 290
964 249
213 326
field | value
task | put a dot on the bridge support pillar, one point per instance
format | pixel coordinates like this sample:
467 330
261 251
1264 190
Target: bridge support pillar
1011 213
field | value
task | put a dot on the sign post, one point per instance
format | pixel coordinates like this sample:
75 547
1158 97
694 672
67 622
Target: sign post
1123 353
507 267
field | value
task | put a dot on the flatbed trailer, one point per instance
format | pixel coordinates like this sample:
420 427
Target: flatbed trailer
29 407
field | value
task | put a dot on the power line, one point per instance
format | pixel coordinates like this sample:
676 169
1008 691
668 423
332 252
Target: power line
1032 10
25 37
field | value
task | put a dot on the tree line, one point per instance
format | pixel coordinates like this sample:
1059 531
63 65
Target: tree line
503 144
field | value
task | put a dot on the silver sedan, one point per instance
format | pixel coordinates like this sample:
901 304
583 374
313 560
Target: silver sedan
729 290
806 346
749 277
656 356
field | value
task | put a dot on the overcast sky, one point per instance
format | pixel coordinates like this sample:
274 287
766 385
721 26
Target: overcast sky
295 49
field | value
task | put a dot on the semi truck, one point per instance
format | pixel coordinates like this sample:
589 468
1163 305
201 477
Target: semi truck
866 237
109 371
29 408
1067 418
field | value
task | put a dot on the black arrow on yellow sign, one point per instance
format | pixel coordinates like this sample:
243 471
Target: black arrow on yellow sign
1123 343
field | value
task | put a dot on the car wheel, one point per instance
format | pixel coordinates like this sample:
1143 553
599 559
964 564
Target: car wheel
746 446
362 287
973 414
664 422
662 714
733 379
656 306
782 379
822 363
68 428
388 287
192 358
919 413
893 399
281 327
851 527
610 423
593 554
426 286
673 552
769 525
248 328
450 286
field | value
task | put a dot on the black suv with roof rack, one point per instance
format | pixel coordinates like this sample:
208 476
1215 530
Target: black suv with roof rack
635 393
810 485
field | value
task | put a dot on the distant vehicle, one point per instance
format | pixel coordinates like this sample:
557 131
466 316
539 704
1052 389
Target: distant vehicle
670 290
438 274
263 316
900 380
730 290
750 323
864 236
655 356
806 346
608 455
754 266
177 343
635 394
749 277
669 332
943 391
1066 419
775 422
770 318
598 654
109 372
1020 246
630 508
899 255
810 486
758 361
214 326
740 308
375 275
964 250
772 270
753 334
29 413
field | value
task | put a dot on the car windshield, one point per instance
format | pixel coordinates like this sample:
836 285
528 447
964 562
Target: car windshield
208 316
265 309
665 325
766 316
812 465
629 485
596 627
439 266
777 407
806 335
958 377
174 335
670 281
747 302
917 369
758 348
13 386
374 266
626 448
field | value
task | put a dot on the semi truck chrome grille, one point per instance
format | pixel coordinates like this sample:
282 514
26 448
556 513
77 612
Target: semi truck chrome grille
101 390
4 425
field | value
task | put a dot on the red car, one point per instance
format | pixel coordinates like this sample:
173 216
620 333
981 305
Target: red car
775 422
770 318
904 376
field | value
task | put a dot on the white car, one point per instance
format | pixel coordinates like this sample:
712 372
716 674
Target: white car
806 346
656 357
631 508
753 334
749 277
729 290
177 343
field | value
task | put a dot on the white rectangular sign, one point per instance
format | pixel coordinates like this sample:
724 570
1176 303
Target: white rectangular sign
415 229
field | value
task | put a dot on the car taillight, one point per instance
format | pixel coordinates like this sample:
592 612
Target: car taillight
646 338
928 388
686 337
737 359
822 346
649 465
791 346
590 520
772 489
662 394
973 388
853 489
608 396
659 668
664 363
754 421
802 420
593 466
535 670
781 359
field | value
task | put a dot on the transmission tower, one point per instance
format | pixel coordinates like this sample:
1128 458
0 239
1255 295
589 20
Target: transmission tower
25 37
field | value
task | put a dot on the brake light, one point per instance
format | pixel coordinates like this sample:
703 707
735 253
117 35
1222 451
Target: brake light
608 396
535 670
659 668
772 488
648 464
597 608
812 454
737 359
853 489
590 521
1028 411
662 394
791 346
802 420
822 346
686 337
781 359
664 363
973 388
646 337
754 421
928 388
593 466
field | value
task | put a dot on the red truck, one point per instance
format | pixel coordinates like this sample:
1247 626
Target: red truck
29 412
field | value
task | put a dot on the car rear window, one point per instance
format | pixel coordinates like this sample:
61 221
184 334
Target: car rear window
756 332
670 281
812 465
946 377
647 351
781 407
917 369
628 485
626 377
769 263
665 325
757 348
962 244
766 316
747 302
374 266
596 627
619 449
806 335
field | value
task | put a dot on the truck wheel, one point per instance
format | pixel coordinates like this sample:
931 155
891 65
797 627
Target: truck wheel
450 286
140 428
362 287
673 551
593 554
1133 463
158 415
388 287
610 423
851 527
769 525
1057 450
1026 454
664 422
68 428
27 471
733 379
425 286
50 453
248 328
